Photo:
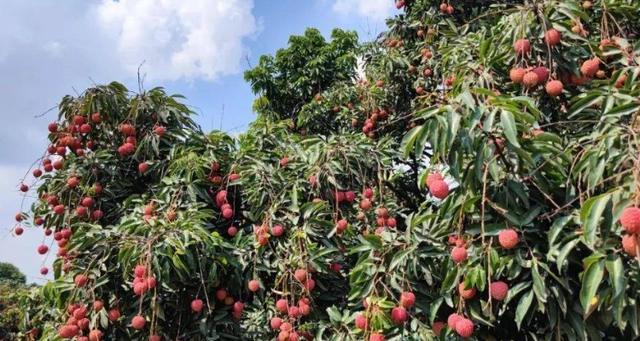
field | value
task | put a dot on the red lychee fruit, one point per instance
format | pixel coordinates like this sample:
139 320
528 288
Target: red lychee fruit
542 72
590 67
160 130
294 312
439 189
97 215
127 129
67 332
508 238
361 321
232 230
376 337
530 79
42 249
554 88
399 315
286 326
517 75
380 83
85 129
284 161
114 315
464 327
37 173
155 338
197 305
98 305
437 327
341 225
143 168
365 204
254 285
466 294
452 320
24 188
80 281
350 196
407 299
522 46
138 322
399 4
309 284
282 306
630 220
368 193
227 213
629 243
552 37
18 231
443 7
53 127
300 275
221 295
459 254
44 270
275 323
499 290
277 230
95 335
140 271
72 182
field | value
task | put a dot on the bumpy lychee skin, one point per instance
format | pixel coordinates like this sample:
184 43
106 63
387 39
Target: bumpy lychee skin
407 299
453 320
508 238
590 67
542 72
433 177
630 220
138 322
522 46
629 243
197 305
437 327
530 79
552 37
499 290
554 88
464 327
254 285
361 322
459 254
399 315
516 75
439 189
466 294
376 337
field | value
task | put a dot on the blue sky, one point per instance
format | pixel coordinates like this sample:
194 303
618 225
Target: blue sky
196 48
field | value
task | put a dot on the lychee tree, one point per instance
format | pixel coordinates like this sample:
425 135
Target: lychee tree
481 182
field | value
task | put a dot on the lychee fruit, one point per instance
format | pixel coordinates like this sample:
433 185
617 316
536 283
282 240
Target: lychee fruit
160 130
407 299
459 254
554 88
452 320
254 285
140 271
552 37
368 193
464 327
530 79
542 72
114 315
300 275
80 281
399 315
18 231
508 238
95 335
361 321
197 305
590 67
44 270
517 75
284 161
522 46
437 327
138 322
376 337
499 290
630 220
42 249
98 305
282 306
143 167
466 294
275 323
439 189
629 243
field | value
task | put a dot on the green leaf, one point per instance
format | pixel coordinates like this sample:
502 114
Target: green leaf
509 126
590 282
590 215
523 307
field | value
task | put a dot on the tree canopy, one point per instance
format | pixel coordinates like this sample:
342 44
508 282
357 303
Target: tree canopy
481 182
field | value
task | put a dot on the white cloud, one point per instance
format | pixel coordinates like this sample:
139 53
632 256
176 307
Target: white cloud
179 39
375 9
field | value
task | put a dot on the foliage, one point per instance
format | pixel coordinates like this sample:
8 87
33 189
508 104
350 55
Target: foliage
325 212
10 273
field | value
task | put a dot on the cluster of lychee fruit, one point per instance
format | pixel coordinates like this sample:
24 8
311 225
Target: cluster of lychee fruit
142 281
77 323
437 186
630 221
292 313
